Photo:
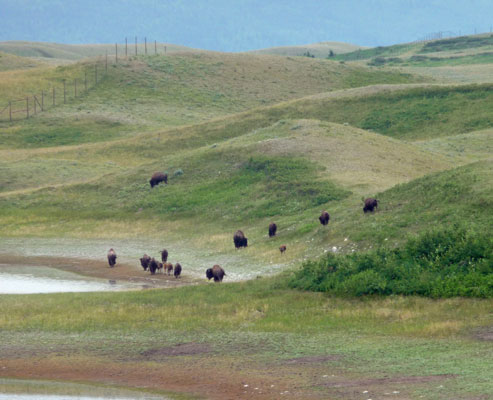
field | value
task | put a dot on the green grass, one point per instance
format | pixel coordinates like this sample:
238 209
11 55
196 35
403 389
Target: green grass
382 51
373 337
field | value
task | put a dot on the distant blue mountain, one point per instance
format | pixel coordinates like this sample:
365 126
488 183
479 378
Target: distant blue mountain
238 25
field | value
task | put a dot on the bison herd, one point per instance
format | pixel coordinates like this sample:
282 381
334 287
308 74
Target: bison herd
240 240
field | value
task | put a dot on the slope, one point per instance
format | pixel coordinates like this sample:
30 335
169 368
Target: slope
318 50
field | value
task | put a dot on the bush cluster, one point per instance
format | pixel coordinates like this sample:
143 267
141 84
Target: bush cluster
441 263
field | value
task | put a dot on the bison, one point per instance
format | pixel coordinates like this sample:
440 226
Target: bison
215 272
177 271
160 266
371 204
168 267
153 266
240 240
164 255
324 218
111 258
157 178
282 248
144 261
272 229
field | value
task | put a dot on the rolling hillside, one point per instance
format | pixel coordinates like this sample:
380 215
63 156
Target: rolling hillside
318 50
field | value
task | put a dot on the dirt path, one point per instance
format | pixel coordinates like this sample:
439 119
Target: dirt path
101 270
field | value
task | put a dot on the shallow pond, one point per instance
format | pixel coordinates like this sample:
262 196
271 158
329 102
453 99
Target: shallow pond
16 389
237 264
36 279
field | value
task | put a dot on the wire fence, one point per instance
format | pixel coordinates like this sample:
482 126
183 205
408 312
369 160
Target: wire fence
68 89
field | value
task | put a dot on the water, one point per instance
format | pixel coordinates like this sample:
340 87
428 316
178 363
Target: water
237 265
16 389
37 279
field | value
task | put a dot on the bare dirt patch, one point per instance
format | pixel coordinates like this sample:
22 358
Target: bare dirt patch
181 349
313 359
484 334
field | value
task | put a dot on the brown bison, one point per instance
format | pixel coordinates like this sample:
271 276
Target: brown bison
371 204
324 218
160 267
153 266
177 271
164 255
215 272
240 240
157 178
282 248
168 267
272 229
144 261
111 258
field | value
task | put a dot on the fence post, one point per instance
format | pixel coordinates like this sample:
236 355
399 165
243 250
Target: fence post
145 45
164 49
27 107
10 111
135 45
64 93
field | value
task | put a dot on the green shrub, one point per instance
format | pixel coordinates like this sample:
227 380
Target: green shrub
441 263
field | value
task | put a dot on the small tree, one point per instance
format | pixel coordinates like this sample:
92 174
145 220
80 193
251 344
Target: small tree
331 54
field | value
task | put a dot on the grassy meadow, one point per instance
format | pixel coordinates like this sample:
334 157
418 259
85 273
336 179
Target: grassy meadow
248 139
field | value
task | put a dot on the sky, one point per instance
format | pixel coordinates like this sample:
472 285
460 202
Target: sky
240 25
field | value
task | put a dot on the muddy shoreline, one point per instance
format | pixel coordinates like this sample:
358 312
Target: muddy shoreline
99 269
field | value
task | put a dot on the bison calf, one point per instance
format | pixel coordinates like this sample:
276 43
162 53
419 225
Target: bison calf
324 218
168 267
111 258
215 272
282 248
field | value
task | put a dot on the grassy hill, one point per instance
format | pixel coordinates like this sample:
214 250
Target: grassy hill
318 50
58 52
247 139
457 51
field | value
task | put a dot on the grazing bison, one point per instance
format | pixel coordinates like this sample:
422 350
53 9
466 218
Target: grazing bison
144 261
324 218
272 229
111 258
215 272
282 248
164 255
168 267
177 271
153 266
240 240
157 178
370 205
